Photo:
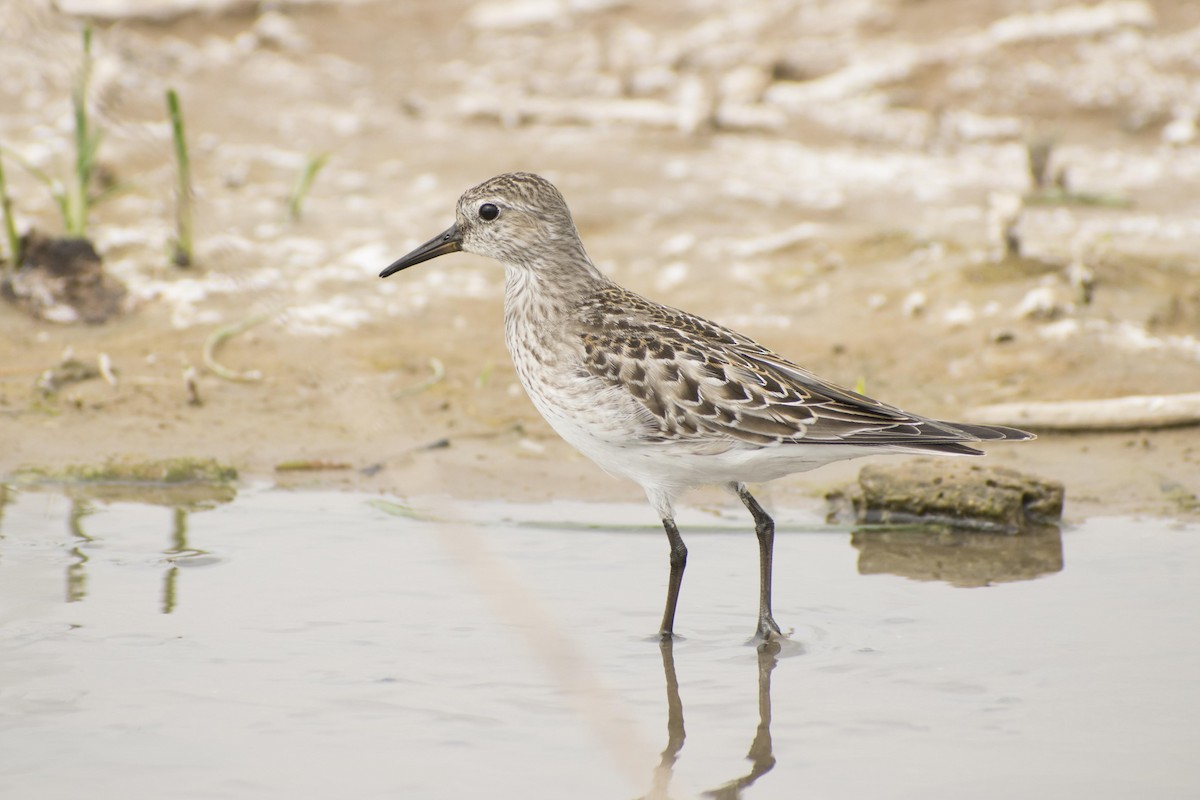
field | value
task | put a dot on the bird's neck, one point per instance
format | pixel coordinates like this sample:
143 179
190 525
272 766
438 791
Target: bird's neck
537 292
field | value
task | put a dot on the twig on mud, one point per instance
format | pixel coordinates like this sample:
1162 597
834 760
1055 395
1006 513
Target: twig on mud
310 465
218 337
191 386
1112 414
439 372
105 366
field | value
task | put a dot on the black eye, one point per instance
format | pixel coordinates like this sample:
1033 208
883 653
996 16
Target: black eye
488 212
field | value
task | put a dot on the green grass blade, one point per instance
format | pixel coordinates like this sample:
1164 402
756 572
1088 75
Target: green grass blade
76 207
10 227
304 184
182 255
30 168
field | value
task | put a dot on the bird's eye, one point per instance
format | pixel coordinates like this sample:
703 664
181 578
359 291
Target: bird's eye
488 212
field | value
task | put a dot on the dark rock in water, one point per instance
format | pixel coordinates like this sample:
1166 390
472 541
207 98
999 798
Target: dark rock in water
951 493
63 280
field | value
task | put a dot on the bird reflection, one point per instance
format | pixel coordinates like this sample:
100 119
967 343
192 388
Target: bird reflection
760 756
675 731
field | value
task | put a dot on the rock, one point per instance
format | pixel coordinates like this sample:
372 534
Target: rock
63 280
69 370
951 493
1044 302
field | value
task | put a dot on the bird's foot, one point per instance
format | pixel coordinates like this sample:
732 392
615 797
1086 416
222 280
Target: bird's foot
768 630
668 636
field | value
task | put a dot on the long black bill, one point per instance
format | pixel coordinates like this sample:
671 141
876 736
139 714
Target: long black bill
440 245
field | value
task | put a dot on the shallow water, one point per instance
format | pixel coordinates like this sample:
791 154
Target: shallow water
307 644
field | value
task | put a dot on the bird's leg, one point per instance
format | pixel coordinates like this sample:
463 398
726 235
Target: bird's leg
678 562
764 528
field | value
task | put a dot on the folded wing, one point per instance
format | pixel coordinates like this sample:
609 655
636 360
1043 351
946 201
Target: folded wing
700 381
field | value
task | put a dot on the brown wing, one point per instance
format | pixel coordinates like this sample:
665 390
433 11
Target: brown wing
699 380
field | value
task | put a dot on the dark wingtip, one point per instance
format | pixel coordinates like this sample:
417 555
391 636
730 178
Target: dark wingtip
993 432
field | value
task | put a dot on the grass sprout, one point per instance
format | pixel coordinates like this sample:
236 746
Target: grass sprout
181 249
75 200
304 183
10 227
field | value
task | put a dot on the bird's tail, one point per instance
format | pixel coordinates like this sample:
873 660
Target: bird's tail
990 432
969 435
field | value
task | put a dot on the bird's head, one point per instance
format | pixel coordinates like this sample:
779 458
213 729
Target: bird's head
519 219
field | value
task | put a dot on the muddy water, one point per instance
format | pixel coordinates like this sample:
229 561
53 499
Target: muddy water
855 235
307 644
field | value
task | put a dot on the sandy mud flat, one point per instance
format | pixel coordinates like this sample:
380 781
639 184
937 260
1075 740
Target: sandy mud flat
839 181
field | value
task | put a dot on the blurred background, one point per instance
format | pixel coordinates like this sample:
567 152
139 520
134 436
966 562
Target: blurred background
948 205
952 206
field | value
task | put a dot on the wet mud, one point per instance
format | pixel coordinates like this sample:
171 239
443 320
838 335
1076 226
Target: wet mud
897 196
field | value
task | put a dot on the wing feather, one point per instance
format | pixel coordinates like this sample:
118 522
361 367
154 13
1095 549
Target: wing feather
700 381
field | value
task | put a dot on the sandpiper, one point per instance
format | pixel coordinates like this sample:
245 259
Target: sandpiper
658 395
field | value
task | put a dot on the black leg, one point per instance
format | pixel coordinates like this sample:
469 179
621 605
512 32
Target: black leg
678 562
764 528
